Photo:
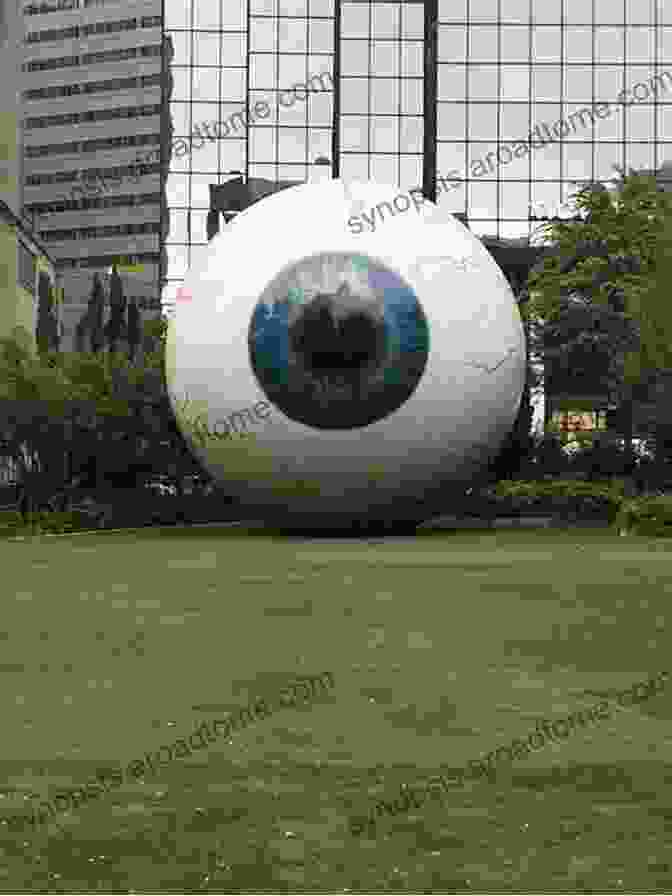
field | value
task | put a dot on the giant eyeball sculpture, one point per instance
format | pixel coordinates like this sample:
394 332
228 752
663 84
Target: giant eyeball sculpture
336 378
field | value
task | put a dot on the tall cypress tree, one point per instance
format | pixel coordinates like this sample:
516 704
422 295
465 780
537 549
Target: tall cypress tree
95 314
116 327
46 330
134 334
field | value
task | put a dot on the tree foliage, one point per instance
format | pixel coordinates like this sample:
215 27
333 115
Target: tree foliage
116 326
95 415
46 331
602 287
90 328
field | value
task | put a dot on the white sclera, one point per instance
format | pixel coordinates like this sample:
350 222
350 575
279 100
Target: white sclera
454 422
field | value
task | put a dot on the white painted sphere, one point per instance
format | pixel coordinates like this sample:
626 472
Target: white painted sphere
328 374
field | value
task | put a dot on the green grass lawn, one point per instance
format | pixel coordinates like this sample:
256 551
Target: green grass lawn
442 648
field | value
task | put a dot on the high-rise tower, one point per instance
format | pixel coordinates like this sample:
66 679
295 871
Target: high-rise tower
92 97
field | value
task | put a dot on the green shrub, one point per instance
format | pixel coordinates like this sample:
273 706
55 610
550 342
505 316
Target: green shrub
573 497
645 516
12 523
566 488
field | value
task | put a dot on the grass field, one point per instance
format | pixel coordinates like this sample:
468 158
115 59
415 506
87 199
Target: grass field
441 648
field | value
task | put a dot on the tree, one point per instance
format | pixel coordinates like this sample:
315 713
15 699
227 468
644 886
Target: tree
116 326
603 262
94 415
91 322
46 331
134 334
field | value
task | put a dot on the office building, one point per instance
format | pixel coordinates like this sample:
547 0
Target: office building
92 100
462 83
22 255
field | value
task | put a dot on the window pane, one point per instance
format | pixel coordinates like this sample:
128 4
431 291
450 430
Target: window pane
385 97
354 95
206 49
293 35
546 44
292 70
452 43
608 11
515 44
181 83
181 47
354 133
482 121
639 155
234 49
580 47
482 44
385 21
639 122
641 44
233 84
451 81
640 11
412 54
452 10
546 82
479 166
577 84
483 11
412 21
354 20
515 82
450 157
606 156
384 135
206 15
412 95
514 121
482 83
321 36
383 168
411 134
263 36
546 162
482 200
577 161
385 58
355 56
451 121
547 11
665 123
609 46
515 11
514 200
410 171
180 118
608 82
262 71
578 12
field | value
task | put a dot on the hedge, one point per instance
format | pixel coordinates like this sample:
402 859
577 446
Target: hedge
645 516
650 515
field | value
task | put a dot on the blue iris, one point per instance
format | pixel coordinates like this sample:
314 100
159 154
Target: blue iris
271 335
333 370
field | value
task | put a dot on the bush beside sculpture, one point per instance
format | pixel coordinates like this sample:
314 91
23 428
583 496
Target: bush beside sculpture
645 515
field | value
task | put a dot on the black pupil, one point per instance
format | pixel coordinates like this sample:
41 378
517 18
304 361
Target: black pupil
327 344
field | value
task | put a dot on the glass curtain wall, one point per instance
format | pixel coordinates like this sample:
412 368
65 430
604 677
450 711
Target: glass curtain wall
596 73
589 80
381 91
261 70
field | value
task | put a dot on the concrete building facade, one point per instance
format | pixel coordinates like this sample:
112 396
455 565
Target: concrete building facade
92 100
22 256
